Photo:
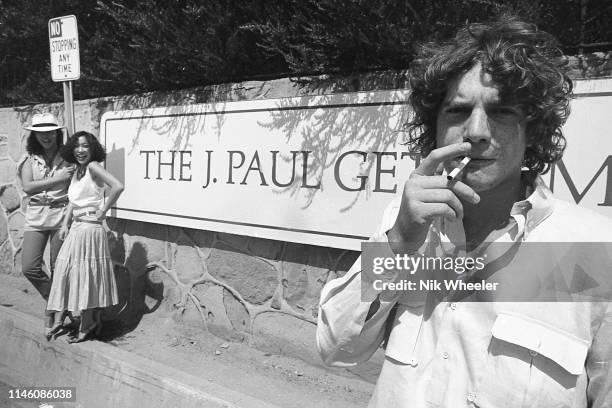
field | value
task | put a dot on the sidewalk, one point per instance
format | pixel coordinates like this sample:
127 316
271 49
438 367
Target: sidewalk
161 363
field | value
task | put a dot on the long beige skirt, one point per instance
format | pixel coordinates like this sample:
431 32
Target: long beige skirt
83 277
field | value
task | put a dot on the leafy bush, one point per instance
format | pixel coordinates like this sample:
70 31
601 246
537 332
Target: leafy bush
135 46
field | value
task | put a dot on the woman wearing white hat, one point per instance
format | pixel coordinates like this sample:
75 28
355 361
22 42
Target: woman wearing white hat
45 177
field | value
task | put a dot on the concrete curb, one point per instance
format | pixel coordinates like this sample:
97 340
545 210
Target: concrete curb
104 376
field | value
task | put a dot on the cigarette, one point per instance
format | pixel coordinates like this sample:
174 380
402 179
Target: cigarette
455 172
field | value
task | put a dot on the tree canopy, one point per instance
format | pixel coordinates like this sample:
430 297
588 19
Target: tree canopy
153 45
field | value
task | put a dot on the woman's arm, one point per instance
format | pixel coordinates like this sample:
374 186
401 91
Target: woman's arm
31 186
66 222
116 187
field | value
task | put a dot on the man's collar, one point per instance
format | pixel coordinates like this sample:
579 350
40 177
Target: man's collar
539 203
529 213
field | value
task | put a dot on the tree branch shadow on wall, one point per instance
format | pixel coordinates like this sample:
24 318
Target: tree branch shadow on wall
327 133
370 129
179 113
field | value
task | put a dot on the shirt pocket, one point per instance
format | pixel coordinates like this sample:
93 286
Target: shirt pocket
404 334
531 363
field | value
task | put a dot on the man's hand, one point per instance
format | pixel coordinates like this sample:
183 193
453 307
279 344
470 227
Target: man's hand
427 194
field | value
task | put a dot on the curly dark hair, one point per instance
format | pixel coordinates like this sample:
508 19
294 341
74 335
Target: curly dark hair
33 147
97 151
526 65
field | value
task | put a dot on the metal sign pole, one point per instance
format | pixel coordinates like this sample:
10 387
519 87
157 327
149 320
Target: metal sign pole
68 108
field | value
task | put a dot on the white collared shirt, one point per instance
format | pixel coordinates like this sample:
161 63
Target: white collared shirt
494 354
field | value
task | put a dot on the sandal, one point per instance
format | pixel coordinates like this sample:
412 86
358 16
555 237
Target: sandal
84 334
53 332
58 328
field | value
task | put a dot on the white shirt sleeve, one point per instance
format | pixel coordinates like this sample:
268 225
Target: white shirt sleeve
344 336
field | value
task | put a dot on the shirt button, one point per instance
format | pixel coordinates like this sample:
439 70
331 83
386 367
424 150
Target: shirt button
413 362
445 355
471 397
533 353
453 306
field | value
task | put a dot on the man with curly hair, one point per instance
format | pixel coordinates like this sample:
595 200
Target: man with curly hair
495 93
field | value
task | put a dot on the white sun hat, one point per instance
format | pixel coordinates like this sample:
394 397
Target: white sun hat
43 122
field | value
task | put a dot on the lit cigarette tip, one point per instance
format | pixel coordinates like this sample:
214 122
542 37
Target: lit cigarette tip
455 172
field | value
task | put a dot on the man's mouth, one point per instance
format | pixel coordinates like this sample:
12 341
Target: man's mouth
473 160
481 160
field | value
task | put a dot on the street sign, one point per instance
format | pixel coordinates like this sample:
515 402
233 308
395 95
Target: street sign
64 49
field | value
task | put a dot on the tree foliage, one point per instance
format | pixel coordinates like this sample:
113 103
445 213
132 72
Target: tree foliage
135 46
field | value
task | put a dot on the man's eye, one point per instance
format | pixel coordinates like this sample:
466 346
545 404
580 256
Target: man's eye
457 110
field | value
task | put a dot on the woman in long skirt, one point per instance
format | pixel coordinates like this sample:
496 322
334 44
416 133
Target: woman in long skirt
84 280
